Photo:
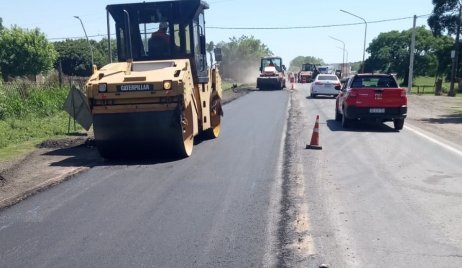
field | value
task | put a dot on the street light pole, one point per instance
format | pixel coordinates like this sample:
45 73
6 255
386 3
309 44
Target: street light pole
365 33
346 62
343 58
91 48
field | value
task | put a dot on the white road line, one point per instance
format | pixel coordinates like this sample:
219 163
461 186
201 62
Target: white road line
445 146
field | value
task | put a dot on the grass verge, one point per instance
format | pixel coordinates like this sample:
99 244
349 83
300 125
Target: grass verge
20 136
29 114
226 85
426 85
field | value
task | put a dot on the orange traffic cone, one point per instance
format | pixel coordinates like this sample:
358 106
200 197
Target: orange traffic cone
314 144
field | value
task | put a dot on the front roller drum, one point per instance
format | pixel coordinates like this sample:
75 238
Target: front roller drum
161 134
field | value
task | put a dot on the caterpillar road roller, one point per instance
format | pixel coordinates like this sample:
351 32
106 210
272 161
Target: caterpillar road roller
160 93
272 73
307 73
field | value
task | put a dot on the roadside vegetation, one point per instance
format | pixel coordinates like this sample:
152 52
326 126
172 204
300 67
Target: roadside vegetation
241 58
426 85
226 85
30 114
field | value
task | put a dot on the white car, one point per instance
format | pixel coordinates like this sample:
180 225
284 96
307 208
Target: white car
325 84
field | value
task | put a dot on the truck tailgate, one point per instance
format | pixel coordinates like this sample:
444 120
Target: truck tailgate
380 97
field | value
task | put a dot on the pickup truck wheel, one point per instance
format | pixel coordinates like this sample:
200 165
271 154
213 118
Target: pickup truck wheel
346 122
338 116
398 124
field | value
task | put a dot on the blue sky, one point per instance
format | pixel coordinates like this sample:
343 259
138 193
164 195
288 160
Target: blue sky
55 19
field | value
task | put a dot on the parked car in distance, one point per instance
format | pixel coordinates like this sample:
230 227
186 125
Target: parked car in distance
371 97
325 84
326 70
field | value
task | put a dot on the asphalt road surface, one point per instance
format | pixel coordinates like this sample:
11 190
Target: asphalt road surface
376 197
255 197
217 208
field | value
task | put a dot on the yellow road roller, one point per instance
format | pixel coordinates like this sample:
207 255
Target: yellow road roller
160 93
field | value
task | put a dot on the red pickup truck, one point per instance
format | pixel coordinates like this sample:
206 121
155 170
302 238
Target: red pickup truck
371 97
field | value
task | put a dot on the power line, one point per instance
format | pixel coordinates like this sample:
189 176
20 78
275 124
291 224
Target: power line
78 37
311 27
96 35
271 28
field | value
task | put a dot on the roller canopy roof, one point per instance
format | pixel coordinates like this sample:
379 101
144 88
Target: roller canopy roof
173 11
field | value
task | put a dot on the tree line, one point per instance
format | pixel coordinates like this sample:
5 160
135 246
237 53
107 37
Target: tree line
241 58
390 51
28 52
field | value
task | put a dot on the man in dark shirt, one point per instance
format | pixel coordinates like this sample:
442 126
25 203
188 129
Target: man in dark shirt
159 43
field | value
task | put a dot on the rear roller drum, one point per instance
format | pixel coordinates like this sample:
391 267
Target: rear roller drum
184 141
215 120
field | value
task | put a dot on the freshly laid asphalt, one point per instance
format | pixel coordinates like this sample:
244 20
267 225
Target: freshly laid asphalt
212 209
255 197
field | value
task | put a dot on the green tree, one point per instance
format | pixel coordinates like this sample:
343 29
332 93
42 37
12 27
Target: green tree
445 16
1 28
389 52
25 52
102 47
432 54
297 62
446 19
241 58
444 45
75 56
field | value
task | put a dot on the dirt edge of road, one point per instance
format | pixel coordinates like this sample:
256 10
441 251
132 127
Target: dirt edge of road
40 186
56 161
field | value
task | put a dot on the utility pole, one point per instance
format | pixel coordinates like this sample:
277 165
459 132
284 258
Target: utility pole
455 64
411 61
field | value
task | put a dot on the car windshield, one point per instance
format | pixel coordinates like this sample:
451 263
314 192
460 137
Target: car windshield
327 77
158 31
308 67
374 81
276 62
271 62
